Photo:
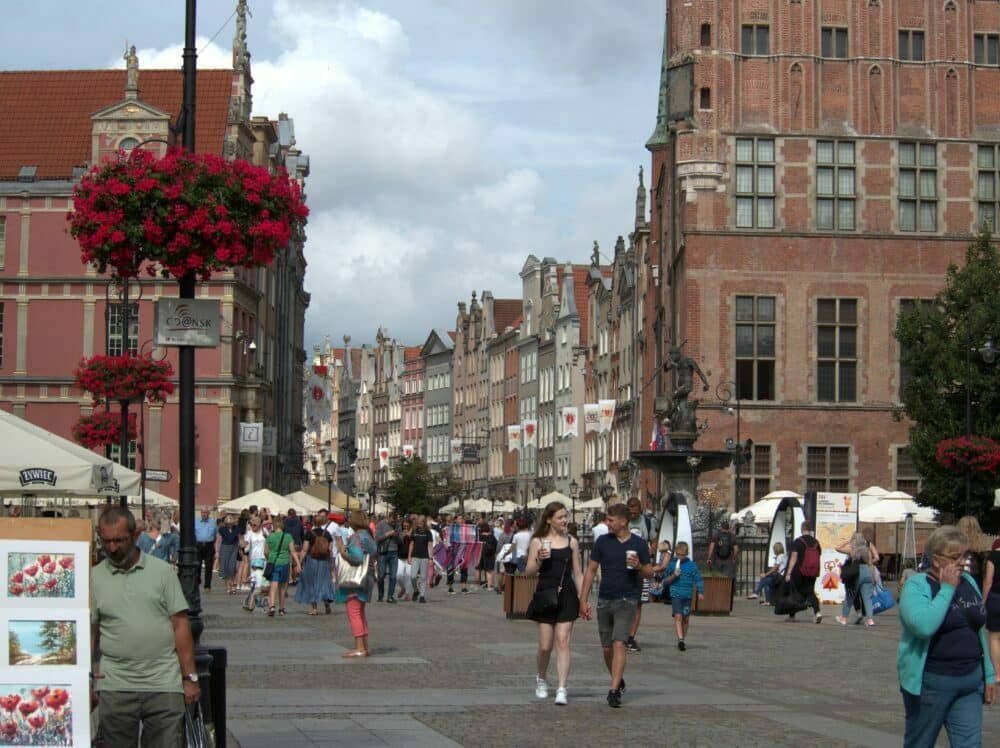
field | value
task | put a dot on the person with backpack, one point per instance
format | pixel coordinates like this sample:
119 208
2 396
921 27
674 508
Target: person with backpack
803 568
316 583
724 551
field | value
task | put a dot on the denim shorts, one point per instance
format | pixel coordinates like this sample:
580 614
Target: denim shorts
614 619
280 574
681 606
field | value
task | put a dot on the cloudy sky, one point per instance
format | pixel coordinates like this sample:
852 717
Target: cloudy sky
448 138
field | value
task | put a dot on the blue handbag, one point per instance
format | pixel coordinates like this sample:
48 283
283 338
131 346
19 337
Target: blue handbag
882 600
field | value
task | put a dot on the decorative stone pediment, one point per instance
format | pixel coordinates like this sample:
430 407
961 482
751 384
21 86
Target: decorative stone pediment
123 125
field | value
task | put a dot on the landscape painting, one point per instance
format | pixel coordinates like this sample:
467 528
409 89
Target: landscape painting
45 642
41 575
36 715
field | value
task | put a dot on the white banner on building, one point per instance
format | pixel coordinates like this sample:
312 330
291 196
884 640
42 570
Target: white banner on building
591 417
408 451
607 414
836 521
456 451
514 438
251 438
319 399
529 431
383 457
570 418
270 446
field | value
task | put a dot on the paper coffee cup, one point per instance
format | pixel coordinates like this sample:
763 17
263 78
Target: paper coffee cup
632 556
547 546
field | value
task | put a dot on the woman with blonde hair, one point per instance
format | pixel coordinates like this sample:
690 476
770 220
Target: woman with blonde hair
859 554
974 561
355 599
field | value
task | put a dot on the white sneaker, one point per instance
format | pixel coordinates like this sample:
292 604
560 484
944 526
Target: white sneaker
819 618
541 688
561 696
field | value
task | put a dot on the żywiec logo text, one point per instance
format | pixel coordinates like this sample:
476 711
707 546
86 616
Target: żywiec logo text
183 320
36 476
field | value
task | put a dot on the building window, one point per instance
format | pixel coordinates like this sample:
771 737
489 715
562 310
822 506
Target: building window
907 306
1 334
755 183
116 451
706 35
907 477
3 240
834 42
917 187
705 98
988 181
835 184
755 477
754 39
115 331
986 49
836 350
755 327
828 468
911 45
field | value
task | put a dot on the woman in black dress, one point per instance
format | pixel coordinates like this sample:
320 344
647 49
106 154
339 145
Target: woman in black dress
488 557
555 555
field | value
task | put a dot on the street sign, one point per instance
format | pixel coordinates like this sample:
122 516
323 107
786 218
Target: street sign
155 474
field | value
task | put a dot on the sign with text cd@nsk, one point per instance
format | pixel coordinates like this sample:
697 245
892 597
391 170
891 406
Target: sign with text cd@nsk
193 322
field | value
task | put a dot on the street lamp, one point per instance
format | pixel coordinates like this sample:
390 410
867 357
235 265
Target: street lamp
728 390
330 468
607 490
989 355
574 491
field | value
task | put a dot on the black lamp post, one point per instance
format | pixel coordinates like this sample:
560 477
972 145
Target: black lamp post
728 390
330 468
574 491
989 355
607 491
372 493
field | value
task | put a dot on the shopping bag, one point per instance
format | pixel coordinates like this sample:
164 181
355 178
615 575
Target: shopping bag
882 600
787 599
195 733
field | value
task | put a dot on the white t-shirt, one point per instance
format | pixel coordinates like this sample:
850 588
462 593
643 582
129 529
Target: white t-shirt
599 529
782 561
334 529
255 545
521 542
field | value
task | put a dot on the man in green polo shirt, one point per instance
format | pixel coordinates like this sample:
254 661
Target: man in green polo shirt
140 627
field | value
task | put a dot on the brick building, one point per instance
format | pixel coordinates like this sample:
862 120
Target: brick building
825 164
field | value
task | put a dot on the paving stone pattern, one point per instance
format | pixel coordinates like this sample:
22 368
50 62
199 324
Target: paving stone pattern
456 672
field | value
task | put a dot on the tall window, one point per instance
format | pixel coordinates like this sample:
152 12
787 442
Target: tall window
116 343
835 184
834 42
755 325
917 187
755 183
836 350
907 477
3 239
116 452
986 49
911 44
987 186
754 39
828 468
755 476
1 334
905 374
706 35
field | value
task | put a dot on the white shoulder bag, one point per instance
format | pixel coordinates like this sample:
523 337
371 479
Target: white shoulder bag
351 577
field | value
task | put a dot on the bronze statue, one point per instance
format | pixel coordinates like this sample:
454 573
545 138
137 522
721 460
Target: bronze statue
682 414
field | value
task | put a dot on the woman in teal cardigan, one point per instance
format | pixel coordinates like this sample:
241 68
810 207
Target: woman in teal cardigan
945 673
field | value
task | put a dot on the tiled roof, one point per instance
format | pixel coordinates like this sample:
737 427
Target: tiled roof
453 334
46 113
412 352
506 313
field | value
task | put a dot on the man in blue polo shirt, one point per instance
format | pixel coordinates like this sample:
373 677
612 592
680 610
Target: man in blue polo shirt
204 535
623 559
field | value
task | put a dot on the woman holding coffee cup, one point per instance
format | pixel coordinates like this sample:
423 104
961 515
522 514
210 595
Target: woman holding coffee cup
555 555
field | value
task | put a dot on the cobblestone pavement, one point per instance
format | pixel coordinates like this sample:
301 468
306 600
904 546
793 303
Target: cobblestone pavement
457 672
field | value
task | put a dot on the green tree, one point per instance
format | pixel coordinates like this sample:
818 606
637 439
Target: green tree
938 343
51 638
16 654
410 490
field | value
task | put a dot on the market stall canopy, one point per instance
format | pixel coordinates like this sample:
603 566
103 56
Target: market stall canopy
896 510
763 511
596 503
312 504
505 506
548 498
341 499
263 498
874 491
780 494
449 508
36 461
897 495
479 506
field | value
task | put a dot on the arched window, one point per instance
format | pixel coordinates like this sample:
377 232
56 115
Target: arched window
127 144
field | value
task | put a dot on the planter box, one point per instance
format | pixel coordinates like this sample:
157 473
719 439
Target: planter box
517 592
718 597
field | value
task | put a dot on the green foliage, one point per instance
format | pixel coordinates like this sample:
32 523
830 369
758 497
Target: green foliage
409 492
938 343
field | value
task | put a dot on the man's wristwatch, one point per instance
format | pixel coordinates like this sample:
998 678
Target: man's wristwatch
193 677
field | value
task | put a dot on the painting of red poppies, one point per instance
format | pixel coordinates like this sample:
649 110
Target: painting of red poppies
36 715
41 575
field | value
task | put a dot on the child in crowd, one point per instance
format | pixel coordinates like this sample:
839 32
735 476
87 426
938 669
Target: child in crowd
683 576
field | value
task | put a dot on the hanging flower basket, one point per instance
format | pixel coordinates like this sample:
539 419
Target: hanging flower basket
102 428
183 213
979 454
110 378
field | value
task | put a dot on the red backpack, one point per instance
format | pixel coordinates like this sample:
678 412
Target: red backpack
810 560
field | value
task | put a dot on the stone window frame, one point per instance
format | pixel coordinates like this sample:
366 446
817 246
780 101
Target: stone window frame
913 168
757 167
911 35
829 37
821 477
988 205
116 346
841 360
133 451
838 167
2 307
982 41
3 240
756 321
905 476
757 475
755 30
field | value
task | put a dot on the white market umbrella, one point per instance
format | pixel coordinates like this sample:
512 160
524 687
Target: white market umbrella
479 506
596 503
896 510
780 494
876 491
384 507
36 461
449 508
505 506
897 495
263 498
763 511
310 503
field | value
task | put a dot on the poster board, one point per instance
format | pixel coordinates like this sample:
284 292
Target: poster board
45 622
836 521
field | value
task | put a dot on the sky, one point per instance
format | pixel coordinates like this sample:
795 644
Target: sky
448 139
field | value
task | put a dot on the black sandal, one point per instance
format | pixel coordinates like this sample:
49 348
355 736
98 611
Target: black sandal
281 611
270 612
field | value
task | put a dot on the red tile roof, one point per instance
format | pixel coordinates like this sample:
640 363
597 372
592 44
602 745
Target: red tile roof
453 334
506 313
412 352
46 113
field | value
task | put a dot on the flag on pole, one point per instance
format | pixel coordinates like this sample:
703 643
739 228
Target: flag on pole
529 429
383 457
591 418
570 422
607 414
514 438
408 451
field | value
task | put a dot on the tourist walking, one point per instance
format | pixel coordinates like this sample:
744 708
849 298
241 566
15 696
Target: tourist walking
488 555
684 577
862 577
355 599
387 539
419 558
505 555
660 589
803 568
404 571
316 585
555 556
280 550
229 541
205 529
166 544
945 672
521 541
640 525
623 560
991 589
254 541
